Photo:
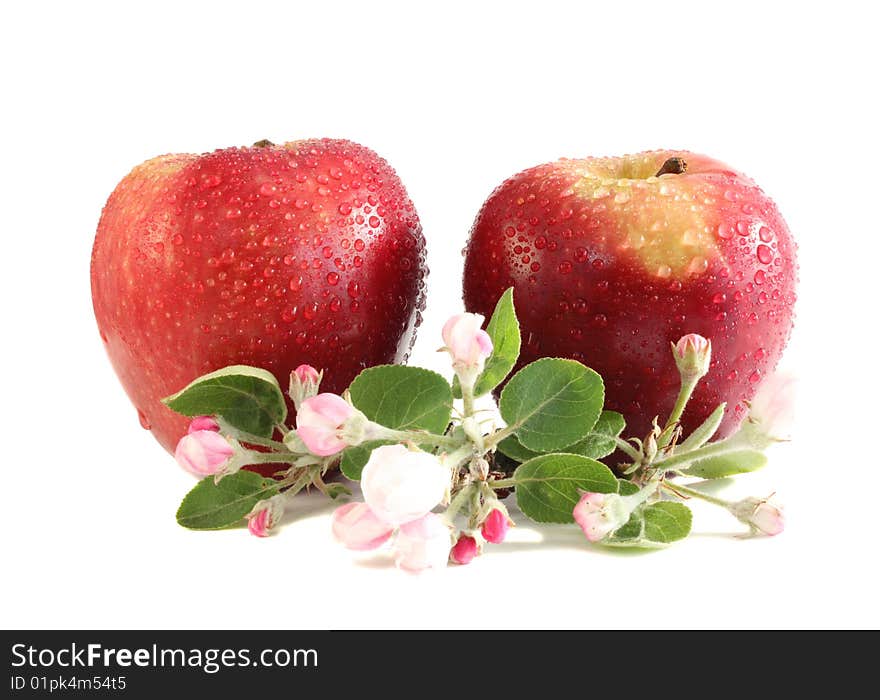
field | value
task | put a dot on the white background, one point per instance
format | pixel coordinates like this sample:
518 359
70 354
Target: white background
457 97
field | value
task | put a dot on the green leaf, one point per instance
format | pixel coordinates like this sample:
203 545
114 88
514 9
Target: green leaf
248 398
629 534
503 329
626 488
720 466
404 398
513 448
599 442
334 491
548 487
354 459
210 506
667 521
552 403
704 432
398 397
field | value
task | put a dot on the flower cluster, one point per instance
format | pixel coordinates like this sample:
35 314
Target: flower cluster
401 487
434 474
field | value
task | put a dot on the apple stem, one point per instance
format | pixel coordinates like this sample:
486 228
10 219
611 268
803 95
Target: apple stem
673 166
263 143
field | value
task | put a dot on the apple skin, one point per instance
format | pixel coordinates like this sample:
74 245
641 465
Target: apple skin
611 263
273 256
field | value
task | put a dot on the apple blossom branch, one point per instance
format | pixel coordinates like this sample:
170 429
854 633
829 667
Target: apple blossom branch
430 492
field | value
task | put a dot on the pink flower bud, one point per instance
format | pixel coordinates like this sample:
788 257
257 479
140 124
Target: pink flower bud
495 526
203 452
265 515
464 550
761 514
423 544
465 341
357 527
693 354
307 373
320 422
203 423
304 383
600 514
402 485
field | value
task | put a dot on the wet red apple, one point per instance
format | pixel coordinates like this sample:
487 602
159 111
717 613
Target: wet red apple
613 258
274 256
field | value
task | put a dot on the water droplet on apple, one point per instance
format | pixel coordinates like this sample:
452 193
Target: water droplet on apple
332 278
725 230
765 255
144 421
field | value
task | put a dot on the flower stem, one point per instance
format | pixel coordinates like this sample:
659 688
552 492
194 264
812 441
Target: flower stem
270 457
419 437
457 502
684 394
250 438
713 449
493 439
626 447
467 396
319 482
300 481
684 490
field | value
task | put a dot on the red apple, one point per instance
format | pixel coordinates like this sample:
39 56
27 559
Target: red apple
614 258
273 256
